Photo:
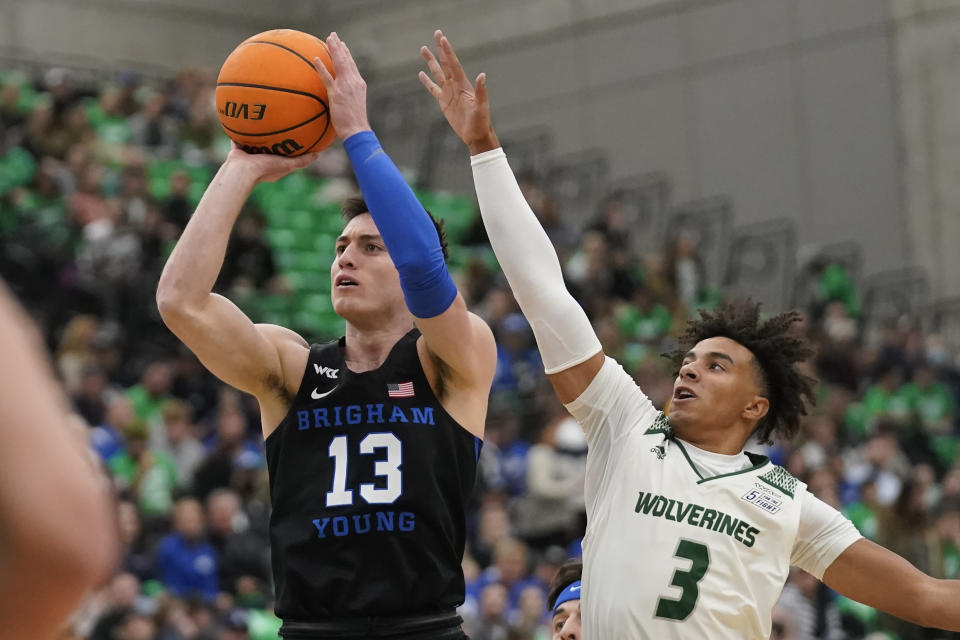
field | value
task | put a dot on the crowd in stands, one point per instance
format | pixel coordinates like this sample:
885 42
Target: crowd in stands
97 181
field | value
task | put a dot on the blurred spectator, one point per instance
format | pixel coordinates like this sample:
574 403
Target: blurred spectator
945 541
153 128
149 396
229 451
90 399
186 561
188 452
74 353
684 270
491 621
116 604
240 553
865 511
518 361
813 612
249 262
136 556
149 474
107 437
510 569
530 617
137 626
931 400
782 626
177 208
503 459
555 474
192 384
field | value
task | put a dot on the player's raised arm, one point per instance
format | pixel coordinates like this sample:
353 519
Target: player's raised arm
868 573
571 352
461 340
226 341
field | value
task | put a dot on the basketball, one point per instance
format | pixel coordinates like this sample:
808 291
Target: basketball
270 98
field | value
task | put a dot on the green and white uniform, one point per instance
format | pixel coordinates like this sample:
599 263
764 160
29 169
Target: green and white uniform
681 542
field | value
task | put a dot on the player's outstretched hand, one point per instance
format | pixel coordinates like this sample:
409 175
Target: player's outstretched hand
464 104
346 89
268 167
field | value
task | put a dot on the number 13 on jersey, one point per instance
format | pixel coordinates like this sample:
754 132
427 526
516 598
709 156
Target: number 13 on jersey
389 468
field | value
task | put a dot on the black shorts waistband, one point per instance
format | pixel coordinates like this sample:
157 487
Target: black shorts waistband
370 627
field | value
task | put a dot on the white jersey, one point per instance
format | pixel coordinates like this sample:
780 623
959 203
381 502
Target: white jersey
675 551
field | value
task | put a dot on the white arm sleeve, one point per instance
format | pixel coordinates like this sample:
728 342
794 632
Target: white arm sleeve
529 261
824 534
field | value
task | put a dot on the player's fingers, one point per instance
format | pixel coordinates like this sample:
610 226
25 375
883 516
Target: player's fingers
435 70
340 57
306 160
480 88
345 59
430 85
451 64
324 72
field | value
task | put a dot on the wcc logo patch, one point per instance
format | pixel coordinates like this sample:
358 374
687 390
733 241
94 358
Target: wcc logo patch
660 451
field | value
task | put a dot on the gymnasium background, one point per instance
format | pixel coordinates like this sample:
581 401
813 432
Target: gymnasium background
678 151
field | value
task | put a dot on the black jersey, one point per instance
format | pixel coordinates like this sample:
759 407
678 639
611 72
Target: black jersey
369 479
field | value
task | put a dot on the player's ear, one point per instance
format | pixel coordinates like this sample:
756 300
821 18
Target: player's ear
757 408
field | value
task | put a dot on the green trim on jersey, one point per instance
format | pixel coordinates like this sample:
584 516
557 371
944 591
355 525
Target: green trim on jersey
660 425
780 478
757 460
689 461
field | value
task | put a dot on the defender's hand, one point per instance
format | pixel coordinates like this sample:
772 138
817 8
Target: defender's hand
464 105
267 167
347 92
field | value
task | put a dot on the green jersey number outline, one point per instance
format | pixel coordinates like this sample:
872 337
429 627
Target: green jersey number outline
699 556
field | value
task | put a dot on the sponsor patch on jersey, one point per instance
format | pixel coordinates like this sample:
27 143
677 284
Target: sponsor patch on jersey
762 500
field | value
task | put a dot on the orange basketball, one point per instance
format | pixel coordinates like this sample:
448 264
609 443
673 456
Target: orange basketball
271 99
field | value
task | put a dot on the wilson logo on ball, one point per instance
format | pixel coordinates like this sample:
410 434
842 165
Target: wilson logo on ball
284 148
242 110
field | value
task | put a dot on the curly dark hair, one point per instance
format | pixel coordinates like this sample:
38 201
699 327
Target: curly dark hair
355 206
775 348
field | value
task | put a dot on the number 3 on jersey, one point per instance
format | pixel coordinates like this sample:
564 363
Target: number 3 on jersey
389 468
699 557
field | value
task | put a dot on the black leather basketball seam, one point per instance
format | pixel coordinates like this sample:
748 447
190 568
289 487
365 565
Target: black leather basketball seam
266 86
307 150
270 133
286 48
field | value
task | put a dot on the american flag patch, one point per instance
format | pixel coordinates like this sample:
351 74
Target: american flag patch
402 390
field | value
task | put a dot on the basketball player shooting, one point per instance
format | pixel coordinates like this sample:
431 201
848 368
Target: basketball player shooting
688 536
57 533
372 440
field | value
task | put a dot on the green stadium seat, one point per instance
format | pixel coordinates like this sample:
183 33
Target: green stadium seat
299 220
282 239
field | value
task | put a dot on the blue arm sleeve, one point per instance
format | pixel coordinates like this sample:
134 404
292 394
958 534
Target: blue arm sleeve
406 229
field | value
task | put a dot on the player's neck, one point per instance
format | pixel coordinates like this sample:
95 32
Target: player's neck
368 346
728 441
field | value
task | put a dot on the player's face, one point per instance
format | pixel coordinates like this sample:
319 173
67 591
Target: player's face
364 284
716 386
566 621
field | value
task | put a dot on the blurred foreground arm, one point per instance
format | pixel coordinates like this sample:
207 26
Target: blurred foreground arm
57 531
571 352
